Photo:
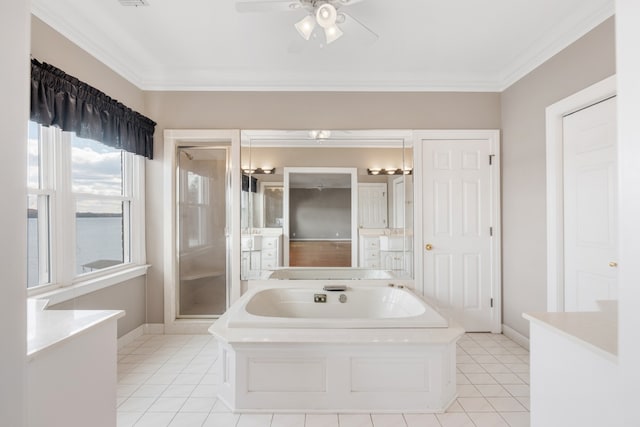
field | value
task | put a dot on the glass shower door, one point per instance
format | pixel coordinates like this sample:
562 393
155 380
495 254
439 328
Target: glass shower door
203 186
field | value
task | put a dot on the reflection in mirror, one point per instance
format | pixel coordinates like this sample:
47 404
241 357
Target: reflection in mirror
343 201
320 215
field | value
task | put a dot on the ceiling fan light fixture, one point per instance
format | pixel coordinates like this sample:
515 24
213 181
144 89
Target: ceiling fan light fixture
326 15
305 26
332 33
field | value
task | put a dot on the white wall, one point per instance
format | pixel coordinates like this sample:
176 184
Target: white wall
524 257
628 57
14 110
293 110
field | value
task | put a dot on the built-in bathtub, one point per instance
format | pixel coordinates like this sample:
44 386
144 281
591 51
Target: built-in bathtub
355 307
291 349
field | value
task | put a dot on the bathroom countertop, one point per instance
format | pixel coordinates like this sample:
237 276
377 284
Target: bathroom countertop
48 328
595 330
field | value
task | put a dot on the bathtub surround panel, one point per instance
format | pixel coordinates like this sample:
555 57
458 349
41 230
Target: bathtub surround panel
382 349
359 377
285 373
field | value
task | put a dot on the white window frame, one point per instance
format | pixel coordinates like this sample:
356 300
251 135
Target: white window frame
44 188
65 283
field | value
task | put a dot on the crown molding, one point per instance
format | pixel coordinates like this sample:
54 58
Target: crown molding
47 12
105 50
553 43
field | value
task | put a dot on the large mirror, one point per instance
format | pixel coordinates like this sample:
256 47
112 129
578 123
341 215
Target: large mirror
323 201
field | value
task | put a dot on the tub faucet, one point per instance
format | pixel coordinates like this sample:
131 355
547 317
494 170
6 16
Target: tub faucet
335 288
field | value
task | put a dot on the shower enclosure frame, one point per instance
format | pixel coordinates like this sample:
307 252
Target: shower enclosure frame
173 141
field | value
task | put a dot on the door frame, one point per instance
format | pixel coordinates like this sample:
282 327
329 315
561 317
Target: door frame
555 183
353 173
493 138
174 138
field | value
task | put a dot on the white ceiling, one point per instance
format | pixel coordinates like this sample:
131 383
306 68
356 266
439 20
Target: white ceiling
423 45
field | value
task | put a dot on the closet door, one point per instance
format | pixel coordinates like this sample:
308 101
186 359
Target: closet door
590 201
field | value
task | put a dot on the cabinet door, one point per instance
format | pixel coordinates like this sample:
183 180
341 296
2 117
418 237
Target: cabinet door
372 205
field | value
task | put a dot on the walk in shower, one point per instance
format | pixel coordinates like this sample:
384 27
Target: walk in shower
202 185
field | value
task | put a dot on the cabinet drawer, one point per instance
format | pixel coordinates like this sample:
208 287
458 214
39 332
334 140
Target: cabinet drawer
372 263
268 254
269 242
269 264
371 254
371 243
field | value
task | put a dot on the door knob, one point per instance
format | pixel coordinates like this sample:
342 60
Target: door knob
428 246
613 264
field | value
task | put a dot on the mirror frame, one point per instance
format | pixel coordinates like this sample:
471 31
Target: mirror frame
354 206
372 138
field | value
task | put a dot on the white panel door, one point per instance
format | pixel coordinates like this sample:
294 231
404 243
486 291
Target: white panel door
456 228
372 205
590 226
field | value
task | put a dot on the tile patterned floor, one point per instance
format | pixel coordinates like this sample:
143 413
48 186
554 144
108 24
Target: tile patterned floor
170 380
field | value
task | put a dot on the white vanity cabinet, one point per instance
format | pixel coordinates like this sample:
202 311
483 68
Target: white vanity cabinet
396 253
251 257
260 252
271 253
369 252
395 260
72 358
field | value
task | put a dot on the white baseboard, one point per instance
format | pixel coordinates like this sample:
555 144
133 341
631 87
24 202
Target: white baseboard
516 336
186 327
196 327
154 328
129 337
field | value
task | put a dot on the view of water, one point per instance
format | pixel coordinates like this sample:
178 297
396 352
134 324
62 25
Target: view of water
97 238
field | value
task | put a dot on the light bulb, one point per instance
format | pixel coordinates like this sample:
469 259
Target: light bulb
326 15
332 33
305 26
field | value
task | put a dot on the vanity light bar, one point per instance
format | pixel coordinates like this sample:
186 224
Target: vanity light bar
398 171
260 171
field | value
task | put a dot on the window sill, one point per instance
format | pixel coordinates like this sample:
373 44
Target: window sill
90 285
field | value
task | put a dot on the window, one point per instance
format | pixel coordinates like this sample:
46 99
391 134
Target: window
85 209
39 187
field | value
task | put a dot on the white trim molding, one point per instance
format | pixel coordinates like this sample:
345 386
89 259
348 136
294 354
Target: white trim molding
555 194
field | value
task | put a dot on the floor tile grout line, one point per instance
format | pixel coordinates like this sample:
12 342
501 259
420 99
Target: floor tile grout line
197 353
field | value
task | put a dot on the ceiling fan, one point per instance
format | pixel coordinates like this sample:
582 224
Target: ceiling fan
326 16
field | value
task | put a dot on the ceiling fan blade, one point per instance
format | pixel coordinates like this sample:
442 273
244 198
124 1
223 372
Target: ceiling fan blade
267 6
346 2
353 28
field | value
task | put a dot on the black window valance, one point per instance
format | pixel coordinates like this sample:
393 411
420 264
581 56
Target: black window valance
249 184
62 100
